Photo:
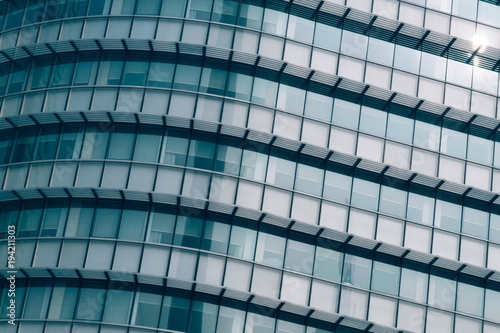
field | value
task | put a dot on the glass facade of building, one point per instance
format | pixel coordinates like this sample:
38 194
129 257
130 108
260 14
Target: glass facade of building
250 166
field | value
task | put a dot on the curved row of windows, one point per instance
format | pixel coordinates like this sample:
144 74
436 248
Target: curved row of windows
366 286
416 286
110 69
171 146
217 233
279 18
139 305
277 200
366 143
349 44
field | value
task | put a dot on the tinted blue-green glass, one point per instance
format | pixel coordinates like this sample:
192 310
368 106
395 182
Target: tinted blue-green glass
250 16
346 114
215 236
270 249
393 201
203 317
264 92
23 147
133 222
357 271
135 73
373 121
309 179
148 7
385 278
29 220
239 86
199 9
91 301
175 147
453 142
475 222
228 159
46 144
188 231
224 11
448 215
318 106
63 301
161 225
174 313
106 219
400 128
121 142
407 59
213 81
328 264
173 8
365 194
480 150
242 242
281 172
147 144
426 135
420 208
274 22
337 187
37 299
291 99
253 165
413 285
118 305
491 301
380 51
62 74
494 234
187 77
201 154
299 256
470 299
161 74
147 307
300 29
54 219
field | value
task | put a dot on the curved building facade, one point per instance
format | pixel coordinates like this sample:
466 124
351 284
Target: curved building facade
251 166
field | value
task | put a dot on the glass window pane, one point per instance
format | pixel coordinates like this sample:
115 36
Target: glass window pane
442 292
187 77
281 172
299 256
203 317
242 242
328 264
106 219
393 201
346 114
118 305
133 222
188 231
174 313
270 248
327 36
365 194
147 306
470 298
357 271
215 236
309 179
448 215
385 278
